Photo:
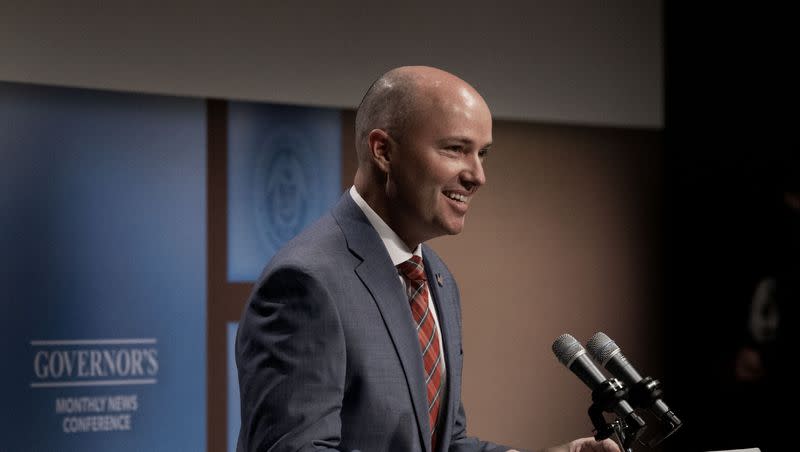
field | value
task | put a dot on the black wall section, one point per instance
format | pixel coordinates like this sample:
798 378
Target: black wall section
729 145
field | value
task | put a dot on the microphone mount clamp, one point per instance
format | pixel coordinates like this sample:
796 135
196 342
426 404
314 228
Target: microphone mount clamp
604 398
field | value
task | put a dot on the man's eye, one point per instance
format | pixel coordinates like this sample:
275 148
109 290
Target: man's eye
483 153
453 148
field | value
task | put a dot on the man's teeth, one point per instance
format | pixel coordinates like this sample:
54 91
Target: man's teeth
457 197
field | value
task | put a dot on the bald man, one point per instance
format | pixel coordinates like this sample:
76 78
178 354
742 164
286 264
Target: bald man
351 339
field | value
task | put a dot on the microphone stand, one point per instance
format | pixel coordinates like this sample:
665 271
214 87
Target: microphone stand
645 394
604 398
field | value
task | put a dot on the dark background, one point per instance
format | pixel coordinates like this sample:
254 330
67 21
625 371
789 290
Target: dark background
730 147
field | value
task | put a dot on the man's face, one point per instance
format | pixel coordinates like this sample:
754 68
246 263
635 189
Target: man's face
437 165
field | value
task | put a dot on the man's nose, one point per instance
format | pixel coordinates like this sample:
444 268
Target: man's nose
473 175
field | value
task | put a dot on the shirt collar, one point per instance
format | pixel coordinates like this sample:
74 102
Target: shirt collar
398 250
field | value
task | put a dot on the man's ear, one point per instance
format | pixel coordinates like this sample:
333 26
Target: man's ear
380 149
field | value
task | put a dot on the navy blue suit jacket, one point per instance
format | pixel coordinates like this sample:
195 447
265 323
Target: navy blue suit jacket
327 352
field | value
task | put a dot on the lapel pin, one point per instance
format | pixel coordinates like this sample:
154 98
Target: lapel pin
439 280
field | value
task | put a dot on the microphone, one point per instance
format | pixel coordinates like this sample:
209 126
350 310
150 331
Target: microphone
645 392
572 355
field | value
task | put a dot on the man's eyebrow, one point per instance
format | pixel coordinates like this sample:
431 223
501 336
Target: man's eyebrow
456 138
464 140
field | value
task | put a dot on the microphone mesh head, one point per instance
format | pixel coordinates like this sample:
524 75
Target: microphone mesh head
566 348
601 347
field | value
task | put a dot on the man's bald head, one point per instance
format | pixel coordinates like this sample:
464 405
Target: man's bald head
393 99
421 137
387 105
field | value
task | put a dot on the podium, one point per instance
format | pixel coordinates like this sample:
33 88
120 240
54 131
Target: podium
752 449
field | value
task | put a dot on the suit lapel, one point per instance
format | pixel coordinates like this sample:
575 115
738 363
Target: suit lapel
380 277
441 289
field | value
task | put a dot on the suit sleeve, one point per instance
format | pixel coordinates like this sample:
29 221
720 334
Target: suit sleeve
290 353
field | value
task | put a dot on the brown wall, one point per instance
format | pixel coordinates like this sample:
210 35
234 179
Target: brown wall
561 239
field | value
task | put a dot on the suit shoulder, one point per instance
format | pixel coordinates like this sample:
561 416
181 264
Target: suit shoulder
321 246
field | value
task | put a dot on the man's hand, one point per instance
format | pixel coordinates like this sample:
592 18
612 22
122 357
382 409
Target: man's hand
588 444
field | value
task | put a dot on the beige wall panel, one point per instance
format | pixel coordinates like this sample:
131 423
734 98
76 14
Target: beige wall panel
561 239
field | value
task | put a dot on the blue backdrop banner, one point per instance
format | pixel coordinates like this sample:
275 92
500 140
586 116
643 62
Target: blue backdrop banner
102 270
284 171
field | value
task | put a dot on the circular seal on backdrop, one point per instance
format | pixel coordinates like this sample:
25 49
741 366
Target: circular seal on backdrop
282 187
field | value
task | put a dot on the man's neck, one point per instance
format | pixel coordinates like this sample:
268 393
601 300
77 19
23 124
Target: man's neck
397 248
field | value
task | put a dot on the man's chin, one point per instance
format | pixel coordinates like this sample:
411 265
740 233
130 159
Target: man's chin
454 228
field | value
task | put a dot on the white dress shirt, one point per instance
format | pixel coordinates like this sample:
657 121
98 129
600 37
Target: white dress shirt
399 253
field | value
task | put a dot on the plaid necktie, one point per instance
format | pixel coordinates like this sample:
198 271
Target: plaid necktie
418 296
